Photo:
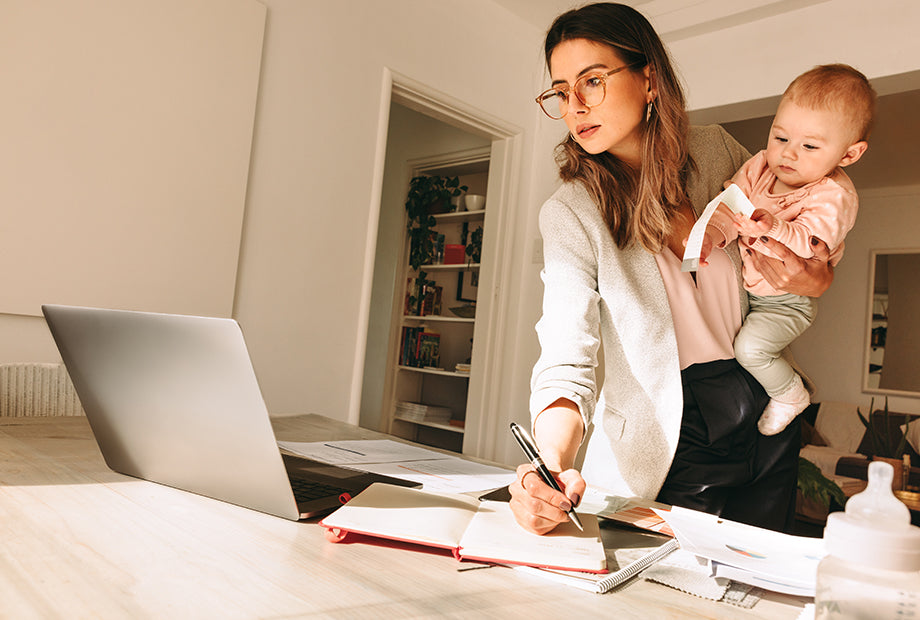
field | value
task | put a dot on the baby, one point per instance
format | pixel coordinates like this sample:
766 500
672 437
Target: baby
799 192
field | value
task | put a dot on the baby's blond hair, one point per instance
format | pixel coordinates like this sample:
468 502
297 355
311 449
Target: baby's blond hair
840 88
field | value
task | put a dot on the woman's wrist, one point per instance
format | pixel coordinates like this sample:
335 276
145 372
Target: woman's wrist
558 431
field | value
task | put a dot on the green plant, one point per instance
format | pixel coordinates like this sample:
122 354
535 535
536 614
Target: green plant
418 292
814 485
426 193
889 440
474 247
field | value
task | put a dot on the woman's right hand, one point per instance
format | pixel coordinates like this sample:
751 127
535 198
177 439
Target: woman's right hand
790 273
536 506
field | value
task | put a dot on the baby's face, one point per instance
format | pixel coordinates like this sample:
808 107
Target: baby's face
806 144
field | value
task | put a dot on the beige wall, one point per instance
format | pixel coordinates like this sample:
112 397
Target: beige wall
126 132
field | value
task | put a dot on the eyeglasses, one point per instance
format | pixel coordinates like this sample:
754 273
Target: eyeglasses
590 90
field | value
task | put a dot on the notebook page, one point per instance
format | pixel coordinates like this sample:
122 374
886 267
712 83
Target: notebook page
404 513
493 534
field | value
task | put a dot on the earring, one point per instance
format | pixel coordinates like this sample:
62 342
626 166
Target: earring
648 111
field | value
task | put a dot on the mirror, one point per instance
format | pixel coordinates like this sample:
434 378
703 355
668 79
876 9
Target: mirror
893 334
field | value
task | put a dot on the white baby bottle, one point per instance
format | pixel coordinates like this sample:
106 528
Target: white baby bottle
872 567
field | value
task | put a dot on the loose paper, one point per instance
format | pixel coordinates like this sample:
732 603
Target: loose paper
735 200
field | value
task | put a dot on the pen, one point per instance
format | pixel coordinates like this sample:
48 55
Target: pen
530 451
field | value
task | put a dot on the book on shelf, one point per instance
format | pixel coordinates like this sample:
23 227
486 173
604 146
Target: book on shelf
423 298
428 351
431 300
474 530
418 348
408 345
629 551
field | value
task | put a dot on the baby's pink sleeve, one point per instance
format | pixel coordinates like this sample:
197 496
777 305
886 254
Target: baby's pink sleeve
828 213
721 220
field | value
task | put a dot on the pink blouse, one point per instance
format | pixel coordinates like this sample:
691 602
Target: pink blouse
706 312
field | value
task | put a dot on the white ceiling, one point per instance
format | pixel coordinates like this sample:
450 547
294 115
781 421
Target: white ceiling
893 157
673 19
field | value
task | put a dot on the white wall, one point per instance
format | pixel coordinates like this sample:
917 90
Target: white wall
758 60
832 350
312 194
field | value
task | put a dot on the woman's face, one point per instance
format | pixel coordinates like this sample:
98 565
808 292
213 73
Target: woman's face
615 125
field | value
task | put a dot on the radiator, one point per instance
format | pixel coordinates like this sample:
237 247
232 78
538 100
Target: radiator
37 390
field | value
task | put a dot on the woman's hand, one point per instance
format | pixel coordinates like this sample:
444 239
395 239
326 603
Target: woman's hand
537 507
791 273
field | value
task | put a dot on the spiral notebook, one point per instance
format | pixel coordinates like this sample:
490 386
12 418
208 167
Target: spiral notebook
629 552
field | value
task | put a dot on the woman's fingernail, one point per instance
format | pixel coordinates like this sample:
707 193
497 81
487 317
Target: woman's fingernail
765 239
565 505
749 253
814 241
576 500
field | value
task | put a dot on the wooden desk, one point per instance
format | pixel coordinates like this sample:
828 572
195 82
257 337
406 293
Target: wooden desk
80 541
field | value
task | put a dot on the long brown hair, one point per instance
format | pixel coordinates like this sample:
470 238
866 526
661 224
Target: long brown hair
637 205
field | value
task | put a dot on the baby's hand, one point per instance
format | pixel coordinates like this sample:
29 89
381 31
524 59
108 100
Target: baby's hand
707 245
760 223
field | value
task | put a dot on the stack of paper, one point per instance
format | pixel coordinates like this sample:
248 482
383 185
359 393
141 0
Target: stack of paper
752 555
417 412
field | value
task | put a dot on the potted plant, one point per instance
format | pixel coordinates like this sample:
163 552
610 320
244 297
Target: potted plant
428 194
815 486
887 432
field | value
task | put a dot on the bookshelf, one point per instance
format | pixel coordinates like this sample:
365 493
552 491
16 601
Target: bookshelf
433 326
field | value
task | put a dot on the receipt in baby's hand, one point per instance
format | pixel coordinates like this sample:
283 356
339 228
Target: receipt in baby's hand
735 200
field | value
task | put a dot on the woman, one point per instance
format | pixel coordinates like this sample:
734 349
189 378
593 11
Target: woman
676 416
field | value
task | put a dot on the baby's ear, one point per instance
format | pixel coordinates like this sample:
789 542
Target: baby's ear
853 153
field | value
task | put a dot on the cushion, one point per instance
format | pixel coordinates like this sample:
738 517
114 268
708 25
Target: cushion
839 425
913 437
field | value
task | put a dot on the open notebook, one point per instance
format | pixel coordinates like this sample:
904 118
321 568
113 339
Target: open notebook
484 531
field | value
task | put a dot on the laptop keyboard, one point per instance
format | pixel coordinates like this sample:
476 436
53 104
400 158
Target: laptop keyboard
305 490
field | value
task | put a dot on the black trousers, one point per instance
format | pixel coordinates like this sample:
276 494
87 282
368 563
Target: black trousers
723 464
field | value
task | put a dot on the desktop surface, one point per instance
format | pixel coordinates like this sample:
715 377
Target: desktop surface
80 540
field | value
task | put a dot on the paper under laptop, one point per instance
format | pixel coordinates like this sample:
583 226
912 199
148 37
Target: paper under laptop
174 399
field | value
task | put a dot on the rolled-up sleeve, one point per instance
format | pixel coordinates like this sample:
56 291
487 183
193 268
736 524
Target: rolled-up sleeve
569 329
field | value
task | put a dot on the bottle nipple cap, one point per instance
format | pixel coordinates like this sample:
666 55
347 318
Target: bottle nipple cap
877 505
875 528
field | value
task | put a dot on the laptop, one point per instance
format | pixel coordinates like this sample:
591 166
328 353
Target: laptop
174 399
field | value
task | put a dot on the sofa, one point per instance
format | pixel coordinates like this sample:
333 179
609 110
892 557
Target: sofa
839 444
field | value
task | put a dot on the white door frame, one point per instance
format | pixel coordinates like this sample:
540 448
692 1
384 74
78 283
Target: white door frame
492 302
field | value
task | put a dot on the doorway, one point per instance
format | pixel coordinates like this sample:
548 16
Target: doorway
420 124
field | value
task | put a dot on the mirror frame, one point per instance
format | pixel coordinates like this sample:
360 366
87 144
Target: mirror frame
867 340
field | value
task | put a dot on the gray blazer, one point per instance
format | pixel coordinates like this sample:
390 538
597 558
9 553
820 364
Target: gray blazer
605 305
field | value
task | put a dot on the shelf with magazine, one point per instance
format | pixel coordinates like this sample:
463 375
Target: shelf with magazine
434 326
